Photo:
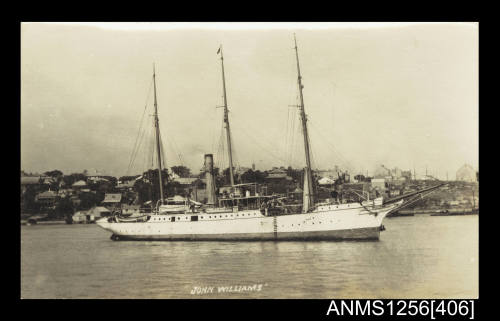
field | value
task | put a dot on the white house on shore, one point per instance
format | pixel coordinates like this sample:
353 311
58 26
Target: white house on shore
91 215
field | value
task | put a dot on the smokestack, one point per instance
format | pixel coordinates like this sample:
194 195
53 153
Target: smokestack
209 175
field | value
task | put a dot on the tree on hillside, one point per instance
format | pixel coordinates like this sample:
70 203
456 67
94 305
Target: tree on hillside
174 188
359 178
226 180
112 180
251 176
148 188
144 191
64 208
56 178
88 200
295 174
72 178
182 171
128 178
55 173
28 202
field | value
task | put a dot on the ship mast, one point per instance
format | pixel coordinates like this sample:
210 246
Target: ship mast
308 199
157 137
226 120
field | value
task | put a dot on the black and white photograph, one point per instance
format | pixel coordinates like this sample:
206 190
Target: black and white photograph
249 160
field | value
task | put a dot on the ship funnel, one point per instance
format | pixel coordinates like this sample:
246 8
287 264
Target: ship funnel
209 175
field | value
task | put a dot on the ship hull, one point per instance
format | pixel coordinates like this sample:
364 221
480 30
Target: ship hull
342 222
369 233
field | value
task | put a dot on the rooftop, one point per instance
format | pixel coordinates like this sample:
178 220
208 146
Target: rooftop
32 180
47 194
112 198
80 183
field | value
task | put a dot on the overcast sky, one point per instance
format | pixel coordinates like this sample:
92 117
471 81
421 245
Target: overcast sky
398 94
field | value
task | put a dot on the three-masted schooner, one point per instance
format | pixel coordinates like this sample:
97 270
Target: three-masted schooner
315 221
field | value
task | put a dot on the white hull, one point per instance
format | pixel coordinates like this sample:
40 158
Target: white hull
345 221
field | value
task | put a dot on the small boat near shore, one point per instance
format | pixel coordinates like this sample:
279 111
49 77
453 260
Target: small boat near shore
456 212
399 214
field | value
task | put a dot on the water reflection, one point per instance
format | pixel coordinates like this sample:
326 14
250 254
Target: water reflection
417 256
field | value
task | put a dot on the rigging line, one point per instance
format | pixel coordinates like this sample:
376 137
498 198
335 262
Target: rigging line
134 149
170 145
211 138
263 148
140 123
220 150
151 148
234 150
223 147
177 151
138 148
335 155
134 153
144 136
162 150
318 130
155 152
342 158
295 131
293 128
245 130
143 145
286 132
295 114
146 151
217 155
215 141
314 153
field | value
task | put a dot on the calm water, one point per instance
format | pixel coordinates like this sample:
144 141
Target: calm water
418 257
